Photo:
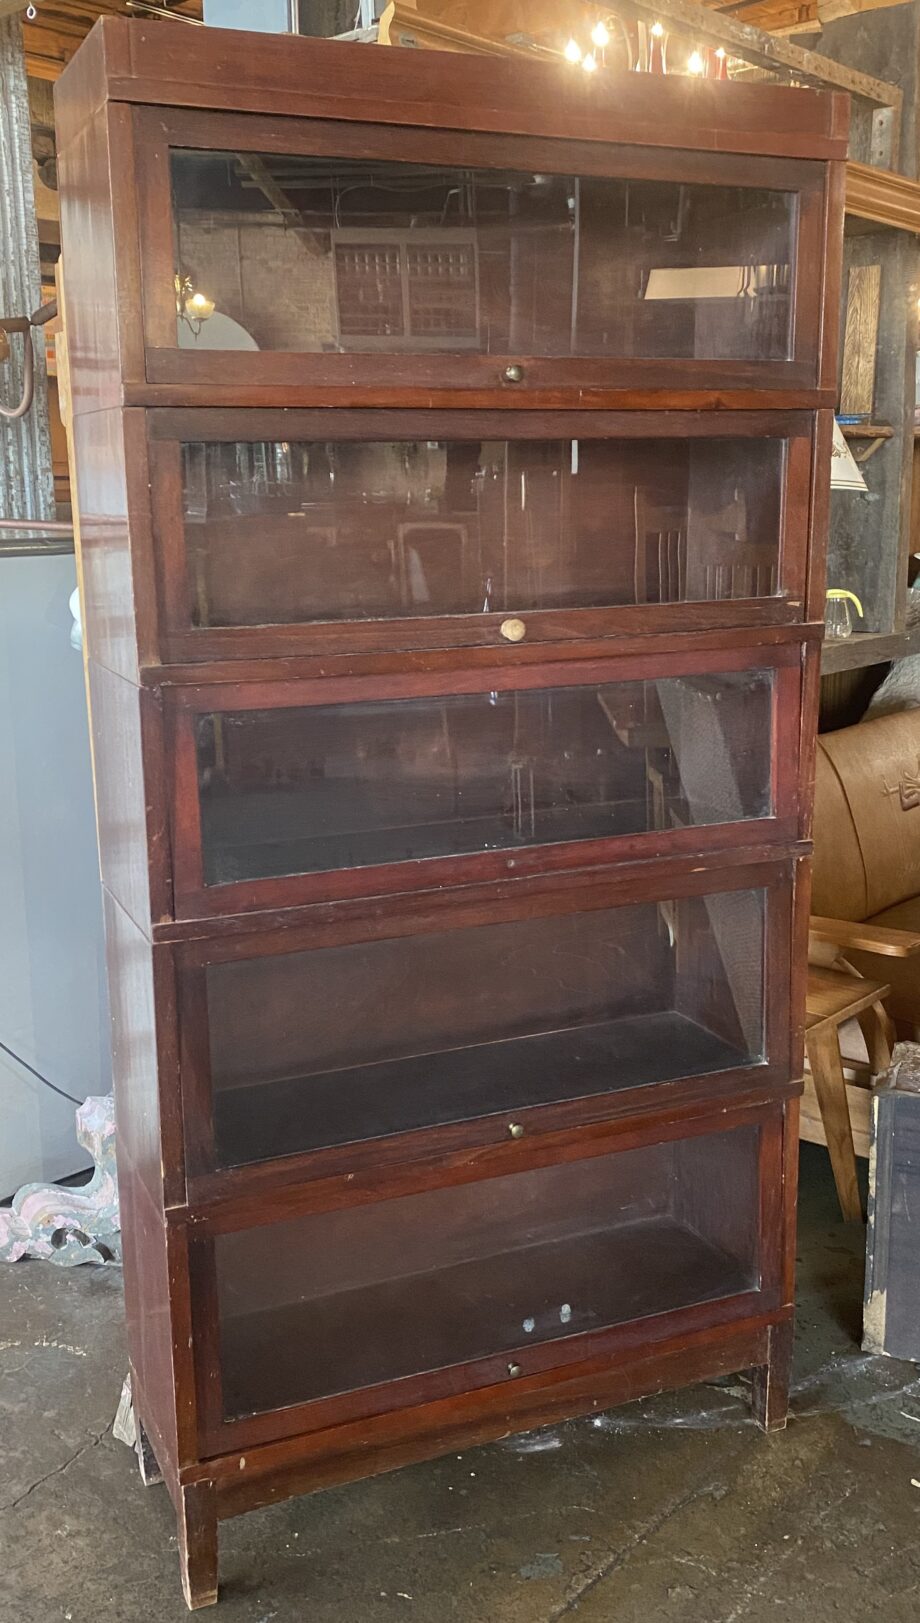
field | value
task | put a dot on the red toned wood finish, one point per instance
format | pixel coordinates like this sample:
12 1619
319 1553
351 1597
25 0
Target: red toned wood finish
453 378
779 743
671 1083
163 529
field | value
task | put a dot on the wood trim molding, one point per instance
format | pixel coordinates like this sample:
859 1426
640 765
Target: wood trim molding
402 24
882 196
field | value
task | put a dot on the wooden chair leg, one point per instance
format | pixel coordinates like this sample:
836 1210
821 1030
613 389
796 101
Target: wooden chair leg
878 1032
770 1389
823 1048
197 1522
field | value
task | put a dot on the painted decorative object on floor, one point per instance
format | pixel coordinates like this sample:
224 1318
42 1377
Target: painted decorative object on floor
70 1226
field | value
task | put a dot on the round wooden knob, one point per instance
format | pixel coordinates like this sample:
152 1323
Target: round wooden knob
513 630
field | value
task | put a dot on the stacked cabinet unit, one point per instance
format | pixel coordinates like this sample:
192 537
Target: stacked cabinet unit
452 455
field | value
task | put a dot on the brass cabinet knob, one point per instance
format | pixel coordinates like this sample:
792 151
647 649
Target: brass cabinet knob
514 373
513 630
515 1369
515 1129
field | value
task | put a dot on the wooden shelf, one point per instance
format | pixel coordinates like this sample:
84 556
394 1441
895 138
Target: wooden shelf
866 438
868 648
292 1115
347 1340
867 431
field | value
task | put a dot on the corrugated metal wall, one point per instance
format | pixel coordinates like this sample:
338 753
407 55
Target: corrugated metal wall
26 486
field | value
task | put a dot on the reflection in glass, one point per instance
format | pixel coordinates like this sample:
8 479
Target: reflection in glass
280 532
336 1301
316 788
341 1044
332 254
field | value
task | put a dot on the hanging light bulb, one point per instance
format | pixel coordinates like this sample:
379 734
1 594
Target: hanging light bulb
657 30
589 63
572 52
198 307
695 63
600 35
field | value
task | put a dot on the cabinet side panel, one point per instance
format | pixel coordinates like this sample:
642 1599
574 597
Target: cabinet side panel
140 1182
83 86
109 450
88 249
130 795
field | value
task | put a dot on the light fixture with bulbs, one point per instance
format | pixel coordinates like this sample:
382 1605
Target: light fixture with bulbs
651 56
192 307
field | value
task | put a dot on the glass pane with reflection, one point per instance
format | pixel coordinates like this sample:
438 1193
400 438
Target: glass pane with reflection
336 1301
315 788
292 532
341 1044
321 255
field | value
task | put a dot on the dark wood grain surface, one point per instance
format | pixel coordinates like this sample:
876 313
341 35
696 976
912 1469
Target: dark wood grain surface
267 1092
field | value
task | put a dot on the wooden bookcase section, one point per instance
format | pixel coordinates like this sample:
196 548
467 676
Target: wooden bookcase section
453 501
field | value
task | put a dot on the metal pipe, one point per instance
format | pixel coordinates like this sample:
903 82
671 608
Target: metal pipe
24 324
46 526
13 413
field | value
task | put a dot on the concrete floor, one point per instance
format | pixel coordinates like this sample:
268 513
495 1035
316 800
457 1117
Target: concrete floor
675 1510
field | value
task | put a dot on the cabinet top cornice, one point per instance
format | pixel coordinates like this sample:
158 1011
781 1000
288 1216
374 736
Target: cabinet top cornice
173 65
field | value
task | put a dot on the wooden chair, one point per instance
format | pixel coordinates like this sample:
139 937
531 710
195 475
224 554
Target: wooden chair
660 558
835 996
866 881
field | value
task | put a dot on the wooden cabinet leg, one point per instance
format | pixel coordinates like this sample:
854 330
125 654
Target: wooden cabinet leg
823 1046
770 1392
197 1521
146 1459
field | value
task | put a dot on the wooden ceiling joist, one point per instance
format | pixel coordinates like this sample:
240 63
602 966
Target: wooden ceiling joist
51 38
510 21
765 50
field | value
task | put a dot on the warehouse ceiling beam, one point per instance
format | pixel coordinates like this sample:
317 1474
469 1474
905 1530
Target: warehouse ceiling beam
765 50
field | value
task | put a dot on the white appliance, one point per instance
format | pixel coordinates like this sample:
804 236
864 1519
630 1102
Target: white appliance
54 1046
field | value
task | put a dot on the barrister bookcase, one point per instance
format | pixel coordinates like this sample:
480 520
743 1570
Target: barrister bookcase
452 444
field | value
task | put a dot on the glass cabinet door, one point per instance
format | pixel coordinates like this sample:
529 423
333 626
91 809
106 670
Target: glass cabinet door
362 255
302 542
299 1051
500 1277
427 262
325 798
